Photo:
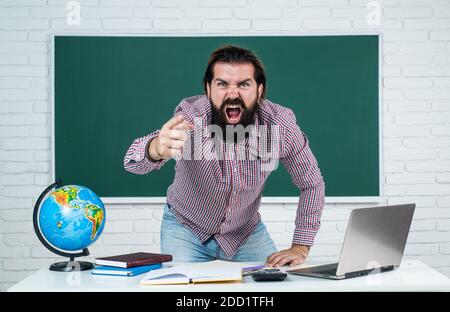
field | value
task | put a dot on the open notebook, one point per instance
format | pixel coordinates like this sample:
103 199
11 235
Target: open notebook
205 272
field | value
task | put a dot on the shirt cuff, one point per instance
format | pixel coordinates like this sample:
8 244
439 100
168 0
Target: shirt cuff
147 153
140 153
304 237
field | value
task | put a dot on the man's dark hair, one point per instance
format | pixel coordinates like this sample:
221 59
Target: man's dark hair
233 54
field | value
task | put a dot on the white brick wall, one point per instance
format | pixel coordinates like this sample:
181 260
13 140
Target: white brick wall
416 114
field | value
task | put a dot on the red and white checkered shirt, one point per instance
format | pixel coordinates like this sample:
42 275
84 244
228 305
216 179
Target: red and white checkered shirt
220 197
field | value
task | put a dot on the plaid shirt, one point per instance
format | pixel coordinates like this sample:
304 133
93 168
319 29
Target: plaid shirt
220 197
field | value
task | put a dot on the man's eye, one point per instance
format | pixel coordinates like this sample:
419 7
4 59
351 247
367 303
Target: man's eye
220 84
245 84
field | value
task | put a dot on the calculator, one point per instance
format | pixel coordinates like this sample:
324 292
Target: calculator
269 276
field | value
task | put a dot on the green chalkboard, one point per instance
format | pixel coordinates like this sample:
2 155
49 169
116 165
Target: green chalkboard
109 90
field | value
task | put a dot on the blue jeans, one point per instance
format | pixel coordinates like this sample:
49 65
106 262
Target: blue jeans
184 246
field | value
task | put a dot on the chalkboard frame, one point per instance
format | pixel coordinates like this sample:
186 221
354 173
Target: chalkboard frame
264 199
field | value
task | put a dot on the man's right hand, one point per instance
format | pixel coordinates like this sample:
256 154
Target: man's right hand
171 138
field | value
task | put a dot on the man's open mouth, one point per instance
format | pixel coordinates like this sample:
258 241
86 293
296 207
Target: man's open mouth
233 113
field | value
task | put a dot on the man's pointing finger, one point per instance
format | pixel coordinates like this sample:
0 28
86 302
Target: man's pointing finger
174 121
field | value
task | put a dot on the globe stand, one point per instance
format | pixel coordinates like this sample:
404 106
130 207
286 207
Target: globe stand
64 266
72 265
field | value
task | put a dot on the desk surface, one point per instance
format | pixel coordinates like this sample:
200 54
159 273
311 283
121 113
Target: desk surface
412 275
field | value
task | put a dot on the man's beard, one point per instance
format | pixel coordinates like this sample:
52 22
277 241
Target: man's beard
219 118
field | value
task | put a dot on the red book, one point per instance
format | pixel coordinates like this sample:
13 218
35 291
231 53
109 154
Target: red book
133 260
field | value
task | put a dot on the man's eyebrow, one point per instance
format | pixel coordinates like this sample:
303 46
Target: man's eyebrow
219 79
245 80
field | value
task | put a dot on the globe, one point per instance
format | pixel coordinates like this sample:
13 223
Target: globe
67 219
72 217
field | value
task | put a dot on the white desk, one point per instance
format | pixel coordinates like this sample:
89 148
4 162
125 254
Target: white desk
412 275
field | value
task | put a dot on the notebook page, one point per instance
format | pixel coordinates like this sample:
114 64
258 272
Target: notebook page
215 269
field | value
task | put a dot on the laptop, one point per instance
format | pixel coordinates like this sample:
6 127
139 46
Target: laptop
374 242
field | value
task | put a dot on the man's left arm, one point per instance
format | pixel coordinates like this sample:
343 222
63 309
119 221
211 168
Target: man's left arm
302 166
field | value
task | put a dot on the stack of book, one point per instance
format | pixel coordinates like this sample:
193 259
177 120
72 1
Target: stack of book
130 264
